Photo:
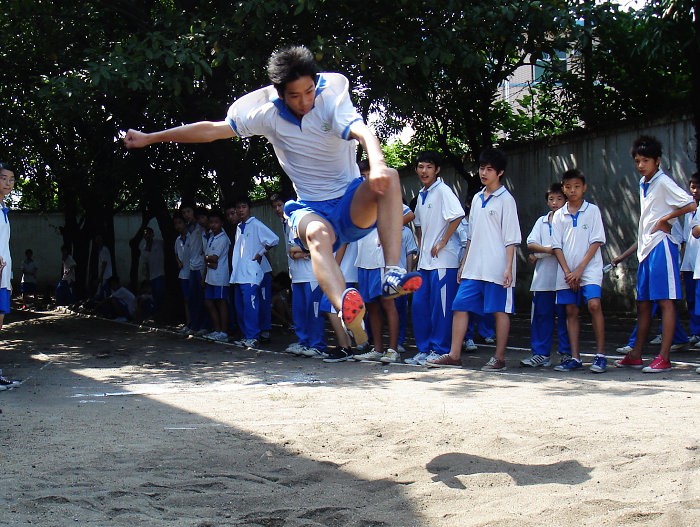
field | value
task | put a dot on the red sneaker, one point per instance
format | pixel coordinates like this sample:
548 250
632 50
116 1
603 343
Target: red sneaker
629 362
352 314
658 365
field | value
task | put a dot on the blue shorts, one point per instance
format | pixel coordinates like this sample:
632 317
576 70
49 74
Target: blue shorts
215 292
585 294
481 297
369 283
336 211
28 288
658 276
4 301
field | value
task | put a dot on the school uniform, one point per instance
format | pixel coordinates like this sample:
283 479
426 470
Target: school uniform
370 264
217 280
687 270
658 275
195 249
64 288
6 272
153 258
28 284
408 248
306 302
544 295
183 275
493 227
436 207
574 233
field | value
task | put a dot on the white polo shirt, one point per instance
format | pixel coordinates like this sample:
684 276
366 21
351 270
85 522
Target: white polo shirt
546 267
369 251
347 264
574 234
251 239
153 258
436 207
218 244
300 270
316 152
658 197
493 226
6 272
691 243
195 248
182 251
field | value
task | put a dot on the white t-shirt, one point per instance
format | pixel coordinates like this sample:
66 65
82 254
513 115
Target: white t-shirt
691 243
574 234
251 239
546 267
317 152
104 257
182 251
347 264
658 197
493 226
6 272
436 207
300 270
29 270
218 244
153 258
369 251
195 247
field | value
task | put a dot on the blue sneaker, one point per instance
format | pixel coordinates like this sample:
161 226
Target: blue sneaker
398 282
569 365
600 364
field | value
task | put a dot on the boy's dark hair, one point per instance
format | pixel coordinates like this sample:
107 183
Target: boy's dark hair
28 251
200 211
694 178
363 165
494 157
5 166
187 205
429 156
216 214
573 173
554 188
277 197
244 199
177 215
230 205
646 146
289 64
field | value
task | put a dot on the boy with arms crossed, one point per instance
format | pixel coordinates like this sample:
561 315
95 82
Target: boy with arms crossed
216 276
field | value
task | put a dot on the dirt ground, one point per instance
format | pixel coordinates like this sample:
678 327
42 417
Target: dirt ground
121 426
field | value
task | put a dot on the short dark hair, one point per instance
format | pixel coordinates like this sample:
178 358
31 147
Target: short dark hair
5 166
277 197
646 146
694 178
554 188
243 199
429 156
200 211
289 64
216 214
363 165
494 157
573 173
177 215
188 205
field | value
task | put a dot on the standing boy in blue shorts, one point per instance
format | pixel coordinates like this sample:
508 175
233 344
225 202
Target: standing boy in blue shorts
577 236
658 275
310 121
487 273
544 291
217 276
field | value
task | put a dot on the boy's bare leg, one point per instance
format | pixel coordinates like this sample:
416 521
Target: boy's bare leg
2 319
460 321
598 322
573 325
502 332
223 315
340 335
368 207
643 325
392 321
374 309
213 313
668 326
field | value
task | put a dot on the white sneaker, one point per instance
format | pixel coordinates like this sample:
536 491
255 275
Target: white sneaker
694 339
624 349
390 356
295 349
221 336
490 340
656 340
536 361
418 359
679 347
469 345
246 343
314 353
211 336
432 356
372 354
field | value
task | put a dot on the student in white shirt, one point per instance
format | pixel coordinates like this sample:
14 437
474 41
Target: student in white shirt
29 270
690 252
104 266
217 276
152 262
195 264
64 290
182 259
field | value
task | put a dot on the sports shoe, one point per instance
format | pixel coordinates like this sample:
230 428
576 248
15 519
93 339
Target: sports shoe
295 348
624 349
535 361
352 314
656 340
398 282
417 360
221 336
432 356
390 356
363 348
338 355
494 365
469 345
211 336
600 364
443 360
314 353
658 365
372 354
694 339
563 357
628 362
679 347
246 343
8 384
490 340
570 365
201 332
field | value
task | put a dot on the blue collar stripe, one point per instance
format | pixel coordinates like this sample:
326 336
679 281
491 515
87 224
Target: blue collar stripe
346 131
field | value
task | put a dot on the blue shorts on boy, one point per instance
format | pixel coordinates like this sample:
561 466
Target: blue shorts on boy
481 297
585 294
4 301
215 292
369 284
658 275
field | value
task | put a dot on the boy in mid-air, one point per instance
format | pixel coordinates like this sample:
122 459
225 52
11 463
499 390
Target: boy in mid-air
310 121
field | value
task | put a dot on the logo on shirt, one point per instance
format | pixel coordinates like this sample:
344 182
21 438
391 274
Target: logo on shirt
492 212
326 127
584 226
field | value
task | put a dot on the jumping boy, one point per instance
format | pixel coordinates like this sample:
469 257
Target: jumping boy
577 236
217 276
310 121
487 272
658 275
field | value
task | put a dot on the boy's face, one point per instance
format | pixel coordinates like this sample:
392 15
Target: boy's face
574 189
647 166
427 173
215 224
278 207
555 200
179 224
7 182
489 176
299 95
231 215
243 211
203 220
187 213
695 190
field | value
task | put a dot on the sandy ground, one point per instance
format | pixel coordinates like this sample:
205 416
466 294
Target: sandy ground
126 427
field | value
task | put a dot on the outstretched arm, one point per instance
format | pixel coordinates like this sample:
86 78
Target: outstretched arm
201 132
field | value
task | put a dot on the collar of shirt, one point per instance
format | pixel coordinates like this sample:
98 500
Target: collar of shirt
286 113
574 215
424 193
644 185
500 190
